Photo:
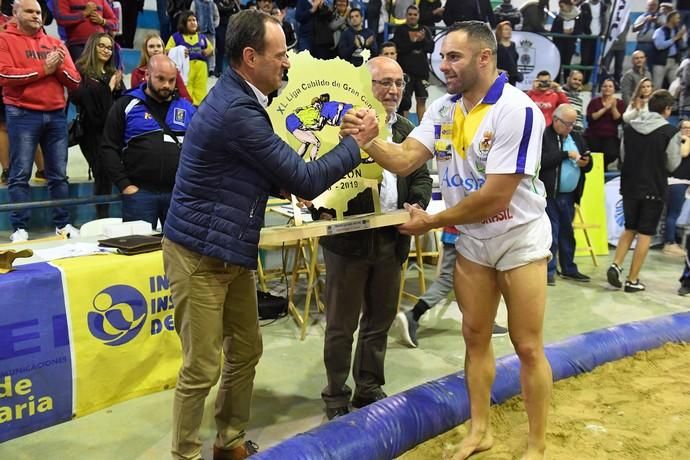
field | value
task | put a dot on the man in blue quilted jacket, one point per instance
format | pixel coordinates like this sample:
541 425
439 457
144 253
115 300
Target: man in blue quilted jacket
231 161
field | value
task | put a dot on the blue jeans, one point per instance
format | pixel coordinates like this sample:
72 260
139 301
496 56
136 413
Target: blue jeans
146 205
674 204
27 129
163 20
561 211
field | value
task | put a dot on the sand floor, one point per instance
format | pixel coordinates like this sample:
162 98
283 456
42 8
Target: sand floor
637 408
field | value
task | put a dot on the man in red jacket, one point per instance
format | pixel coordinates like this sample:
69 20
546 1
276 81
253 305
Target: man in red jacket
547 95
81 19
35 69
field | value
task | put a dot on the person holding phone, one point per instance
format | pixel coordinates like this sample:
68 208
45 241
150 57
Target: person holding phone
638 102
547 94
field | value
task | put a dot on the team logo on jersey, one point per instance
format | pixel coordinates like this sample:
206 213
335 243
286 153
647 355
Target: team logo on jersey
485 144
180 115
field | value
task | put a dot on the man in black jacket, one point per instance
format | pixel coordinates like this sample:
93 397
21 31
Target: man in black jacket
363 270
649 156
414 42
564 162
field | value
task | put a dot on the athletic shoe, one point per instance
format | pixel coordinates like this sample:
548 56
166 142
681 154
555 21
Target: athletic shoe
19 236
673 249
499 331
68 231
613 275
634 287
408 328
577 276
684 290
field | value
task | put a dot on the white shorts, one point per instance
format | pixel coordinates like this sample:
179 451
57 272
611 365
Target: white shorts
519 246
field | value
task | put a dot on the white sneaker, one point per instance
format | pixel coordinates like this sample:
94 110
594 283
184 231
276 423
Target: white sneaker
673 249
19 236
68 231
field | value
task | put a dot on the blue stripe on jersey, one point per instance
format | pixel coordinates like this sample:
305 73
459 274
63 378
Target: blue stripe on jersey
524 143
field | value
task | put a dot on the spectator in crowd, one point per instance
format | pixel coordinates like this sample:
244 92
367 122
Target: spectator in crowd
208 19
138 152
397 11
377 16
304 14
506 54
644 26
389 50
322 37
677 186
595 14
507 12
616 55
226 8
669 40
199 48
408 321
288 30
534 16
130 12
638 102
564 161
230 161
81 19
604 114
462 10
34 82
631 78
683 76
355 39
568 22
430 12
572 89
338 25
546 94
151 46
163 20
413 43
101 84
363 269
649 155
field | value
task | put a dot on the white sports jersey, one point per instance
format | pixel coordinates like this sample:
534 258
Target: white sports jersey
500 135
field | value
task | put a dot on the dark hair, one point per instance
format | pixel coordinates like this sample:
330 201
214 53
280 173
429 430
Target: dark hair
660 100
246 29
543 72
389 44
352 10
477 31
87 62
411 7
601 85
182 21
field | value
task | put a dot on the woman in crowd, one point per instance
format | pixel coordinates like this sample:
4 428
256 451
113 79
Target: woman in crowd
198 49
507 55
604 114
152 45
677 186
568 22
638 102
101 83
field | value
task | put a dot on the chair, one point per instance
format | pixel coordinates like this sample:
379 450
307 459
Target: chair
95 227
417 256
580 224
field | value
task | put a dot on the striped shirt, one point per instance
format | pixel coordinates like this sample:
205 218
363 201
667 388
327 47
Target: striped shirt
500 135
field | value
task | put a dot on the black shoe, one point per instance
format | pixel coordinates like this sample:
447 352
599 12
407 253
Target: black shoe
550 280
498 331
634 287
577 276
359 401
613 275
683 291
333 412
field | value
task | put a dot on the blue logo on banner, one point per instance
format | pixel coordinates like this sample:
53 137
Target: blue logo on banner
120 314
35 362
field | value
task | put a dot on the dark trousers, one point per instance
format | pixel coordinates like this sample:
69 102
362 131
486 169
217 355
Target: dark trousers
90 145
368 285
617 56
220 42
561 211
587 53
674 204
146 205
130 11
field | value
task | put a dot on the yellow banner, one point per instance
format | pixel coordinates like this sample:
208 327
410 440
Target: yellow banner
593 207
122 330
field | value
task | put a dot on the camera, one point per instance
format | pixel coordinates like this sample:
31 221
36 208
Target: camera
544 84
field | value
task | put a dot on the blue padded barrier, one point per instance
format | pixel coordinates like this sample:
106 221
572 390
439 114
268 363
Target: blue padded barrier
388 428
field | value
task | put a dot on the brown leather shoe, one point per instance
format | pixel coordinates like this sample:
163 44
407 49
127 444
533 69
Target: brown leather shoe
240 452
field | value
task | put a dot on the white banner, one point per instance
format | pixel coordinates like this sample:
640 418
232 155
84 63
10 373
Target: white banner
535 53
619 19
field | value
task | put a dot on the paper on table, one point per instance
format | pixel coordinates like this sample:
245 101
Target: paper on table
72 250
